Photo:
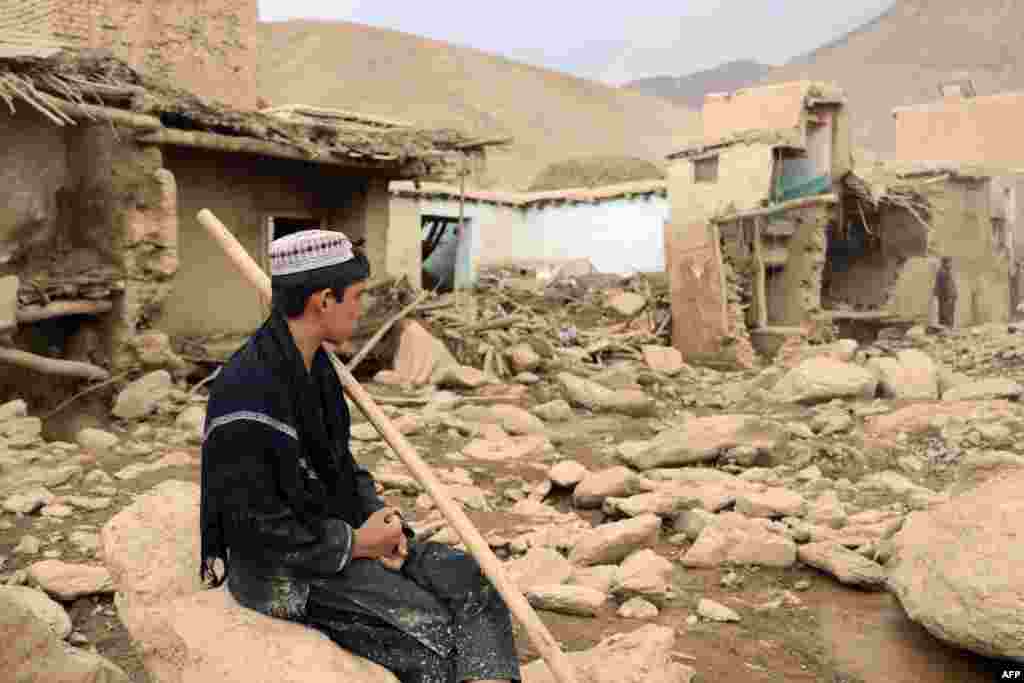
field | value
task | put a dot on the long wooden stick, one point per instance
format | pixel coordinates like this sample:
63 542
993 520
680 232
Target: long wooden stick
53 366
537 631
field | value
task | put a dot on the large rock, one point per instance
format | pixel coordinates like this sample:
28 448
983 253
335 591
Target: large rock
614 482
523 357
32 652
39 604
515 420
627 304
845 565
13 410
188 635
558 410
540 566
701 439
822 379
664 359
566 599
191 421
141 397
912 375
770 502
610 543
96 440
731 537
956 567
645 573
67 582
643 656
567 473
597 398
985 389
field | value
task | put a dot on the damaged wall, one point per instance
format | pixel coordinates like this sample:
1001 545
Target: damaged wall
774 107
961 228
864 265
744 180
208 296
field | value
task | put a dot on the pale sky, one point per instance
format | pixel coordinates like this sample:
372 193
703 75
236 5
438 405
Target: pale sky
600 40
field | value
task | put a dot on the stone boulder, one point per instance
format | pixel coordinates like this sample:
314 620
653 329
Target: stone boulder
523 357
644 574
580 601
665 359
819 380
614 482
845 565
598 398
39 603
610 543
96 440
141 397
67 582
956 567
31 651
702 439
912 375
540 566
627 304
984 390
558 410
188 635
515 420
567 474
730 537
642 656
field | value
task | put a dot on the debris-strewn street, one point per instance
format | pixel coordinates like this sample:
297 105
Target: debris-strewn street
778 524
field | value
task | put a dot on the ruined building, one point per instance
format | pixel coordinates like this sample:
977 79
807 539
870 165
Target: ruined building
774 235
102 173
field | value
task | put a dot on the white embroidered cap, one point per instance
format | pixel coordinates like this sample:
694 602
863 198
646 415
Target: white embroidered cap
308 250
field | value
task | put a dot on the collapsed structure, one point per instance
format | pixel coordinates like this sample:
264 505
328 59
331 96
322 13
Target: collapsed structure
104 172
774 234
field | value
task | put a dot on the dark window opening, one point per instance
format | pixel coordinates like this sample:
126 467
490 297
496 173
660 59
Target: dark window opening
705 170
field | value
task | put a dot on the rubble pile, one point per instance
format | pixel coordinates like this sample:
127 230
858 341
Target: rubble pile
601 467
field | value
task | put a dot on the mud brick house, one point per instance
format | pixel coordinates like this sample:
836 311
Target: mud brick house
962 129
774 235
103 170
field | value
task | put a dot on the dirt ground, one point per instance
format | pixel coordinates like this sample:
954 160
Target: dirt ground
836 634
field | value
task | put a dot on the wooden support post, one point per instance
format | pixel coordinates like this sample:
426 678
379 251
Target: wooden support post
52 366
59 309
760 282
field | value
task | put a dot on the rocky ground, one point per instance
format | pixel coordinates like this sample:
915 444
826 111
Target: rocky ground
756 515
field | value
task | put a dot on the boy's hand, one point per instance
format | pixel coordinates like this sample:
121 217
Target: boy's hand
379 536
395 560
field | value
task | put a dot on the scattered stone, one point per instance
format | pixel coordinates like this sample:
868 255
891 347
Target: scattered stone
714 611
70 581
523 357
705 438
845 565
191 422
827 510
558 410
692 522
599 577
985 390
610 543
29 545
593 396
27 502
41 606
567 473
57 510
515 420
638 608
140 398
527 378
770 502
956 567
627 304
617 482
22 431
912 375
34 652
13 410
643 656
566 599
540 566
644 574
88 502
96 440
731 537
823 379
664 359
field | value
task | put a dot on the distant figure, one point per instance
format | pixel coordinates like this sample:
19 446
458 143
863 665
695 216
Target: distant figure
945 292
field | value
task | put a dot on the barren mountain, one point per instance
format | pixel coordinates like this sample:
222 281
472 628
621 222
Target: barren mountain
552 116
901 57
689 90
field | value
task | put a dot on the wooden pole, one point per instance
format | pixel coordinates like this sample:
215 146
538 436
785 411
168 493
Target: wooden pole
59 309
491 566
52 366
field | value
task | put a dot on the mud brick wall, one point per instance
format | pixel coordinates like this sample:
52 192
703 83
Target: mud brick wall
206 46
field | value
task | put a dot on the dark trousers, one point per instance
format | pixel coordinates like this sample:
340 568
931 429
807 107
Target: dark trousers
478 625
947 311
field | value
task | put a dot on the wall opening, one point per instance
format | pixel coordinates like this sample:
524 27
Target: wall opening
440 249
705 170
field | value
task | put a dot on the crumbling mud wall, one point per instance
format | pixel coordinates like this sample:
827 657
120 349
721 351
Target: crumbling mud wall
961 228
744 179
864 264
797 288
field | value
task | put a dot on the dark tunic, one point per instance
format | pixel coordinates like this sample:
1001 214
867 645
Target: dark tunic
945 292
281 496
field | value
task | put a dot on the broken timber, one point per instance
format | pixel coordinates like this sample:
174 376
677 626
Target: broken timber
52 366
59 309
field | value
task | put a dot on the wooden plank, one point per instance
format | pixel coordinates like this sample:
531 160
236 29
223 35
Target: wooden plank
760 281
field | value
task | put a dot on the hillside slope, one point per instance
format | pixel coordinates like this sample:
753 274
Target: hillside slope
689 90
901 57
552 116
